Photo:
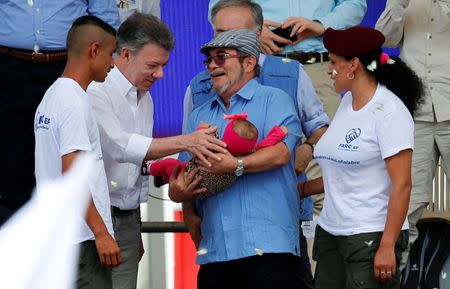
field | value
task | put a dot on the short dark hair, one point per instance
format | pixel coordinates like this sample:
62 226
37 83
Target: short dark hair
255 10
87 20
140 29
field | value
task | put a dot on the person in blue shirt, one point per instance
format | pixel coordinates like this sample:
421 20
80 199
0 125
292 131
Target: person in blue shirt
250 232
308 19
32 56
275 71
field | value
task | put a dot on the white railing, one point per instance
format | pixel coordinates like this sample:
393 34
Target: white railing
440 203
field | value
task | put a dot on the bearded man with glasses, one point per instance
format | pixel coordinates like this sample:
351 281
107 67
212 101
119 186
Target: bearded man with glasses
250 231
286 74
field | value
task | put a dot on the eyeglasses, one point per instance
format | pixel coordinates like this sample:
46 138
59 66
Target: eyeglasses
220 59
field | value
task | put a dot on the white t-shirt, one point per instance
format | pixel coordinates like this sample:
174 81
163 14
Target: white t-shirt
351 155
64 123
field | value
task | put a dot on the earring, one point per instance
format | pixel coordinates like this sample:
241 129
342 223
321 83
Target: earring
350 75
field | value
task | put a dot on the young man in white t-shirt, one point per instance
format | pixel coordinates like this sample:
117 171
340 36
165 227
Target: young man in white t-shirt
64 127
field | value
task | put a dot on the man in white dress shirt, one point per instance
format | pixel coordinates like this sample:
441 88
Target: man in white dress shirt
124 111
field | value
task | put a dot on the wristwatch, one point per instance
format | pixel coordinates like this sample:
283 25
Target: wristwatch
240 167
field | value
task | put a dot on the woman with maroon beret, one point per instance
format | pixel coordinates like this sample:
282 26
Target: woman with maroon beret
365 157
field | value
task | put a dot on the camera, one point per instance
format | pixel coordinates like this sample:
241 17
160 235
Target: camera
285 33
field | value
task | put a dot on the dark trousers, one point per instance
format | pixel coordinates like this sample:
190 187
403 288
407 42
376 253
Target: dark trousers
22 86
91 273
269 271
347 262
304 274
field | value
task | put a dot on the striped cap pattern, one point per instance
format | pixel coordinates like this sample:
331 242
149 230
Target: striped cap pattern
243 40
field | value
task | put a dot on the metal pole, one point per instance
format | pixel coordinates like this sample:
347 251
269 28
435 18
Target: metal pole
163 227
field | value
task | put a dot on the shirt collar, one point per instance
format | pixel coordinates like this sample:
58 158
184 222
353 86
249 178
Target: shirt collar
124 86
261 59
246 92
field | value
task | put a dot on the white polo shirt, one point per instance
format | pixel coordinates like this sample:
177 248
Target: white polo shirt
351 154
64 123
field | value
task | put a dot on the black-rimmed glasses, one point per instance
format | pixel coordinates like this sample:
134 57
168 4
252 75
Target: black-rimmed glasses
220 59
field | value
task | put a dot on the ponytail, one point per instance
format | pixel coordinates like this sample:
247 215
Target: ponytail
403 82
393 73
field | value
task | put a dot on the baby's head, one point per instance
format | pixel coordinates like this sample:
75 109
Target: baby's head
240 135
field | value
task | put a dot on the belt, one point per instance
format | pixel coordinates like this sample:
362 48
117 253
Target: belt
35 57
307 57
115 211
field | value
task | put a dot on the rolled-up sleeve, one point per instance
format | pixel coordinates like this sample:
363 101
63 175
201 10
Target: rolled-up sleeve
346 13
137 148
391 22
312 116
281 111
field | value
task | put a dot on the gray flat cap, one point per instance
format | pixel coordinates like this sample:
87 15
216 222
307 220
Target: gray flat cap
243 40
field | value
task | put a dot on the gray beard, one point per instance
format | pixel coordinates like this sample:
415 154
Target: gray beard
229 84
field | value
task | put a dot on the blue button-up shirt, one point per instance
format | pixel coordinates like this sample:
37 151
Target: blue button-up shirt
259 213
337 14
310 108
45 23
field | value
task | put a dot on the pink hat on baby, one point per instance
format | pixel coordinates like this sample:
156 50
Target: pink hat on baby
237 144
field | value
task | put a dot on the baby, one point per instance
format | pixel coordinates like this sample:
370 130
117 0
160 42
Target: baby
240 135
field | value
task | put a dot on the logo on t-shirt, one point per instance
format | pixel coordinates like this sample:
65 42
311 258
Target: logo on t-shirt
42 121
351 135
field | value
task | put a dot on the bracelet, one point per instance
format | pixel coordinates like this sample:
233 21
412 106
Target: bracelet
303 190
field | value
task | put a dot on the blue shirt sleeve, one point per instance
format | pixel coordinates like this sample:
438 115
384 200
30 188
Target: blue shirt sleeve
345 14
187 107
188 127
306 204
45 24
282 112
312 115
306 209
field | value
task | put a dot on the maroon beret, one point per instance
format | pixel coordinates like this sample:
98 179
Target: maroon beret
354 41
